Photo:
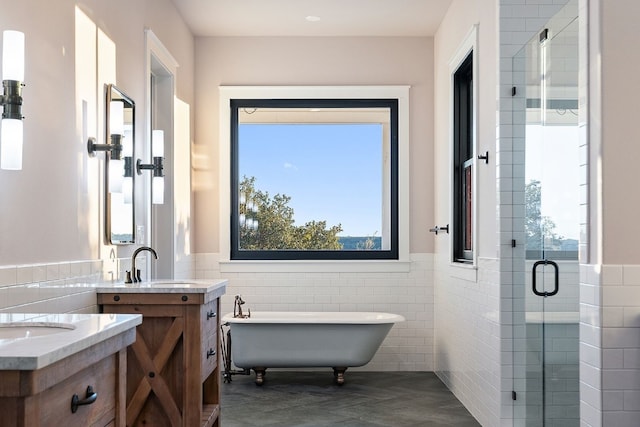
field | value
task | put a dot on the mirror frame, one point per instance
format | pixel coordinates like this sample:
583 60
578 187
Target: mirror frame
112 203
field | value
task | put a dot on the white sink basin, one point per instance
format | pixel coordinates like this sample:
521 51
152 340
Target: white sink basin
32 329
31 341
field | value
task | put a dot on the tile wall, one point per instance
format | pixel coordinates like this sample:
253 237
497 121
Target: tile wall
591 397
61 287
409 345
620 346
610 345
467 335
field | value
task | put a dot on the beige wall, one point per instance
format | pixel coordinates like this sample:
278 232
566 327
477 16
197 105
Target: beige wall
314 61
620 148
52 209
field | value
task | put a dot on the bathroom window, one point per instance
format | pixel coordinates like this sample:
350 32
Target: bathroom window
463 162
314 179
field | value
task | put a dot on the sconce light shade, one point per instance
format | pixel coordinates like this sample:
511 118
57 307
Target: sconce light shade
116 118
127 143
157 190
127 189
116 175
157 143
11 144
13 55
127 183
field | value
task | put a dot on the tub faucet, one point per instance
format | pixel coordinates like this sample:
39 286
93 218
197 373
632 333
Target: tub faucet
237 308
135 272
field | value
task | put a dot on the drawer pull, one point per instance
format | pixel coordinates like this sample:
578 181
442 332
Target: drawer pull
88 400
211 353
211 314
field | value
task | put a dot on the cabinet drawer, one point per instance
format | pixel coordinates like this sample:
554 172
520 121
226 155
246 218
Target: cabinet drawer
55 402
209 321
209 355
209 318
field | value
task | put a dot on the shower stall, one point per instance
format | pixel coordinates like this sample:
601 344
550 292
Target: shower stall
546 202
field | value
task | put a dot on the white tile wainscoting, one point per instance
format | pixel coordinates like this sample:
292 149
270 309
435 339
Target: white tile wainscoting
610 345
60 287
409 345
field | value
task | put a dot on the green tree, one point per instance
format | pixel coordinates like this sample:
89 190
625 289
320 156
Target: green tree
367 244
539 229
276 229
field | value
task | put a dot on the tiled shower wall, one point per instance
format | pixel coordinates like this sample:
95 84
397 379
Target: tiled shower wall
409 345
519 21
609 294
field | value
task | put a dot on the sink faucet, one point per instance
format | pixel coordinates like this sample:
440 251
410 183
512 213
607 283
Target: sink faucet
134 270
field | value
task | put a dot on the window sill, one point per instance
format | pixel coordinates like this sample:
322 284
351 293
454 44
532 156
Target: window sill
464 271
315 266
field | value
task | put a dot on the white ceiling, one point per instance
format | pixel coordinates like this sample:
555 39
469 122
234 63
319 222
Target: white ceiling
337 17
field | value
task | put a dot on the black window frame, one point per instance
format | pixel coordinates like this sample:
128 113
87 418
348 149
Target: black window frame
379 254
463 162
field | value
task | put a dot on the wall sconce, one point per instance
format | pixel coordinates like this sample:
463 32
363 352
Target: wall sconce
115 148
157 151
11 134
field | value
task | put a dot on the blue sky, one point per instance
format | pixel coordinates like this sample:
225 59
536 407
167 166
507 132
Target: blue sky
559 179
332 172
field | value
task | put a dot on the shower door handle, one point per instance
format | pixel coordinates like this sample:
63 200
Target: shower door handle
556 285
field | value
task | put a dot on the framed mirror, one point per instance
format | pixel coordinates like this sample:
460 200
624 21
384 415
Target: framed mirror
119 167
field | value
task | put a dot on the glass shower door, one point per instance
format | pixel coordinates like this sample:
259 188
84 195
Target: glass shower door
546 182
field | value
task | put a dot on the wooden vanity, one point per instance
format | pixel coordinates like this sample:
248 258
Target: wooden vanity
173 368
41 377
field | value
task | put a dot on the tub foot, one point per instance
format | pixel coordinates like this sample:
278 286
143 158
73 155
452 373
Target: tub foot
260 373
338 373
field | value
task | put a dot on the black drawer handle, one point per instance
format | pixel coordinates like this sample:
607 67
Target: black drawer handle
88 400
211 353
211 314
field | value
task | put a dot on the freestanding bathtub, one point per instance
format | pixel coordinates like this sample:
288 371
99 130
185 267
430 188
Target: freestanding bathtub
338 340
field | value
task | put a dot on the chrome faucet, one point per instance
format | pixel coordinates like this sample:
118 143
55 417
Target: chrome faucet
237 308
134 270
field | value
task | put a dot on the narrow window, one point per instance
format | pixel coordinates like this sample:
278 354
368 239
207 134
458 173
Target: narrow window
463 161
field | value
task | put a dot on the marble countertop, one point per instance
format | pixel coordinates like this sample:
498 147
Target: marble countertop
76 332
217 287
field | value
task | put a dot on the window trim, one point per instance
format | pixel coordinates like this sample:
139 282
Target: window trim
464 162
401 93
390 200
467 47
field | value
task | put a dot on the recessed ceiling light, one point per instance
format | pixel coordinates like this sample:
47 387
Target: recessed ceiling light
312 18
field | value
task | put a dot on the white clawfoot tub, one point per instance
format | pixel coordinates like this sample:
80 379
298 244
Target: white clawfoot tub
338 340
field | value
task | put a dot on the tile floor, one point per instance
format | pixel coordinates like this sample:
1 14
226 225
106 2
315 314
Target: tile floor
311 399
